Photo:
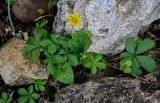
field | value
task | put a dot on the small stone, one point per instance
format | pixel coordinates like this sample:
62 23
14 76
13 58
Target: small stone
27 11
14 68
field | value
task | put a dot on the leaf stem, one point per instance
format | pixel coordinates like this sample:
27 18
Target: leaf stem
9 16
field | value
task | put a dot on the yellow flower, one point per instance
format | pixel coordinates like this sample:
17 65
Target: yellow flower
74 19
40 11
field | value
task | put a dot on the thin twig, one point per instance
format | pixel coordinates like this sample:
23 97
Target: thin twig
41 17
117 58
144 80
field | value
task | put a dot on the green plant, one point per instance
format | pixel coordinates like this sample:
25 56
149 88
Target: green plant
39 85
27 96
5 98
134 53
37 42
93 61
61 54
126 66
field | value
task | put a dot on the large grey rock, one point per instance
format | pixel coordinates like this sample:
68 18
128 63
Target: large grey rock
14 68
113 90
110 21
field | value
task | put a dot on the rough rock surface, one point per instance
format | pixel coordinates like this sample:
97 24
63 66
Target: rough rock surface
113 90
14 69
110 21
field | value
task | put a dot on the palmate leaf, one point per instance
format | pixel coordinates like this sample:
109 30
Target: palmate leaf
131 45
145 45
135 66
125 65
147 63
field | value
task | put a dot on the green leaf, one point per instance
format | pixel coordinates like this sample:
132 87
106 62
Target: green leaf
2 101
52 49
36 87
35 96
45 42
30 89
63 43
43 82
41 88
22 91
83 39
65 74
39 32
145 45
50 68
4 96
101 65
73 60
27 50
98 57
147 63
88 65
23 99
42 23
57 59
9 100
131 45
135 67
32 41
93 70
125 65
31 100
125 55
35 55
